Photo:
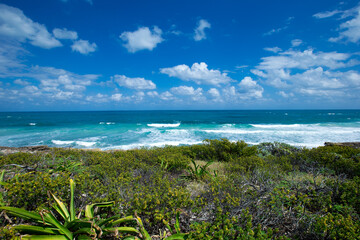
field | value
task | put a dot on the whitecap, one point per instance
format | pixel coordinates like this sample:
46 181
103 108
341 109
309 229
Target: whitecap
110 123
277 125
163 125
59 142
32 124
85 144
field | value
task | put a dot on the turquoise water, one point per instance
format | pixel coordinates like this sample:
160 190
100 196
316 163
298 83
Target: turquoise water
134 129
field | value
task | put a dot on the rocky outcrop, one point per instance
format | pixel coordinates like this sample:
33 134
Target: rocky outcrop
29 149
348 144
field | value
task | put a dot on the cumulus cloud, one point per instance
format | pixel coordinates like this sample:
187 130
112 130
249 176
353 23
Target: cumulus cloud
250 88
285 95
194 94
153 94
15 25
117 97
185 90
83 47
166 96
98 98
65 34
308 72
200 30
142 39
215 95
134 83
305 59
198 73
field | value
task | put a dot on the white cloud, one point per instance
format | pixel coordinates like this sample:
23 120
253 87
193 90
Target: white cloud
83 47
309 73
285 95
273 49
200 30
65 34
247 82
98 98
142 39
214 93
304 60
296 42
350 30
326 14
194 94
153 94
275 30
166 96
185 90
14 24
199 73
21 82
250 88
134 83
117 97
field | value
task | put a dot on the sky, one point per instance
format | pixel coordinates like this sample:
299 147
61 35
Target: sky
58 55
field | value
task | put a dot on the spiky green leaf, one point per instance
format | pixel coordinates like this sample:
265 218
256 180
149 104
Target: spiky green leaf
49 218
61 209
178 236
123 220
29 229
44 237
89 209
122 229
72 205
18 212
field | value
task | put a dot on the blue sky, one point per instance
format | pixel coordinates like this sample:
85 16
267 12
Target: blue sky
130 55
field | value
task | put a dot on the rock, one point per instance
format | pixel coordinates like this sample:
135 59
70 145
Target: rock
348 144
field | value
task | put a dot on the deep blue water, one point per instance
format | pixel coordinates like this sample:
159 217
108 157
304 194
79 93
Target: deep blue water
132 129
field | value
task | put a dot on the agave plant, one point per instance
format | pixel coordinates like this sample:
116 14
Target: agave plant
198 172
46 226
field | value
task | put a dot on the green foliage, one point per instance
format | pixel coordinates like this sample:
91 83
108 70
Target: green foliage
198 172
46 224
245 164
221 150
20 158
260 192
276 149
29 188
224 227
336 226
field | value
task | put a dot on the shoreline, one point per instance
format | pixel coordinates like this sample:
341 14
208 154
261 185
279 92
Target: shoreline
44 148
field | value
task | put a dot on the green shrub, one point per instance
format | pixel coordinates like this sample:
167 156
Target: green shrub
336 226
245 164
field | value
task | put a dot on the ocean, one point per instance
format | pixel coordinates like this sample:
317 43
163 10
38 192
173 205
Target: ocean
134 129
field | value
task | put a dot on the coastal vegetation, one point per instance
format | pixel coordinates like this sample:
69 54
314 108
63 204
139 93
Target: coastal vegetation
215 190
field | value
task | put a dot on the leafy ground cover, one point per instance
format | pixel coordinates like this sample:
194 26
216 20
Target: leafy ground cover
215 190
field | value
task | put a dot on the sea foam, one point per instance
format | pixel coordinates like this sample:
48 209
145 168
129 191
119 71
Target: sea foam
163 125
